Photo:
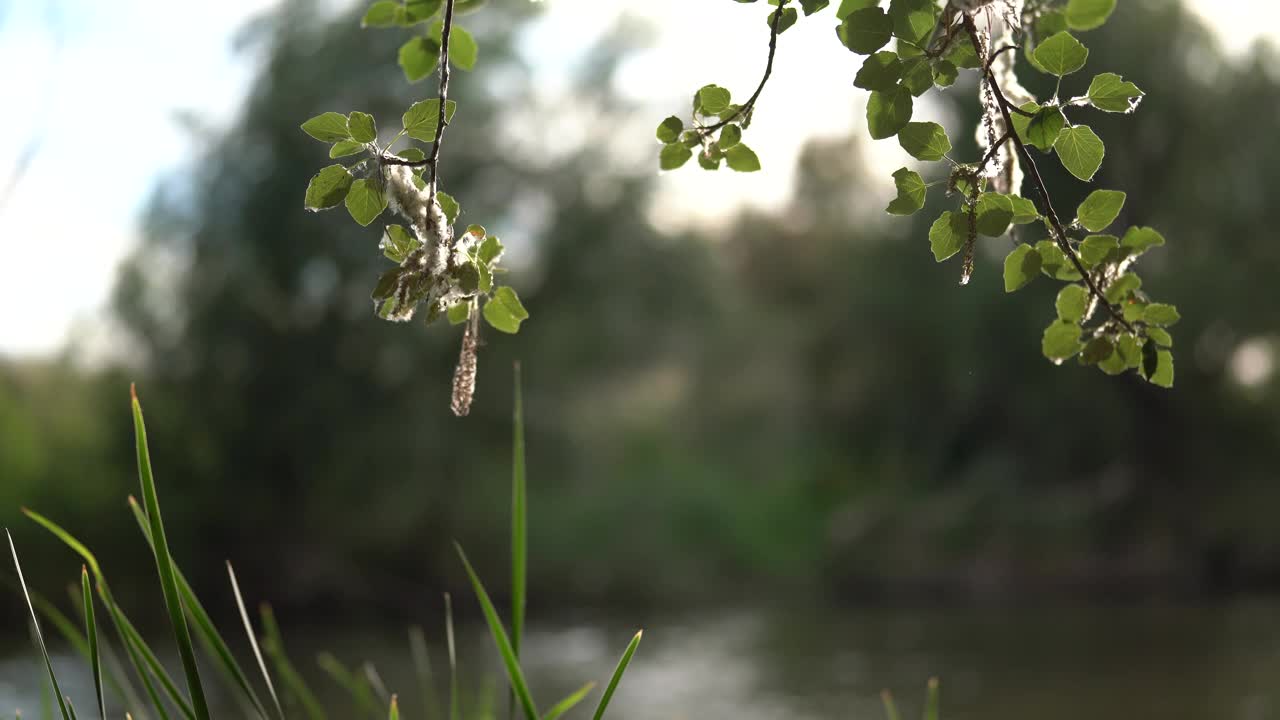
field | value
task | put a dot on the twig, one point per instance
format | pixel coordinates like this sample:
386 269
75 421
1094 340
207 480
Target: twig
434 161
1042 190
768 70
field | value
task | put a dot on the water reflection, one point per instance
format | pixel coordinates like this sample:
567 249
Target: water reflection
1175 663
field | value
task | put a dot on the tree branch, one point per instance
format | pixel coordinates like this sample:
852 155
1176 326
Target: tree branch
434 160
1042 190
750 104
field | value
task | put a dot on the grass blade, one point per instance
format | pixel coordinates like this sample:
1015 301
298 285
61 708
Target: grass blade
394 713
623 662
931 700
164 565
422 669
273 643
567 704
500 638
453 657
357 687
253 640
35 624
890 707
91 630
519 522
137 654
215 646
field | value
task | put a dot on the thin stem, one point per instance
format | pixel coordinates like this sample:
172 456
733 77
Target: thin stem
1060 233
768 70
994 149
434 161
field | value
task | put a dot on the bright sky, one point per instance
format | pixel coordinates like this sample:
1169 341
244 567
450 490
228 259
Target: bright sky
113 76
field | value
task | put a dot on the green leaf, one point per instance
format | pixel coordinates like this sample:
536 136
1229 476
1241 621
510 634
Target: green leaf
1061 54
1161 314
504 312
397 243
812 6
380 14
962 53
1160 336
742 158
327 188
1071 303
849 6
1158 366
1054 262
1020 268
1133 311
418 58
1138 240
1088 14
730 136
417 11
995 212
673 155
1112 93
1097 350
865 31
1097 249
412 154
948 234
448 206
1042 129
669 130
343 148
945 73
463 48
789 17
362 127
459 312
623 662
489 250
1120 288
924 140
1050 22
573 699
880 71
711 99
1061 340
911 192
365 201
327 127
1100 209
1024 211
917 75
423 118
888 111
913 20
1081 151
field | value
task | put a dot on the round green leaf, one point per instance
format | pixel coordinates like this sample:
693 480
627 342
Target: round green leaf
463 48
913 20
1100 209
888 111
328 127
418 57
1061 340
1161 314
504 312
669 130
1088 14
948 234
1097 249
673 155
362 127
880 71
995 212
1071 303
866 31
1020 268
365 201
731 135
344 148
328 187
712 99
1061 54
380 14
1112 93
1054 262
911 193
1024 211
1138 240
742 158
1081 151
924 140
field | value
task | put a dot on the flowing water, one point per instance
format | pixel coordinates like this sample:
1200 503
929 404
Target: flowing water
1102 663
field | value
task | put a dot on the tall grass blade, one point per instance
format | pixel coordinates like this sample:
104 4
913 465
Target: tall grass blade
890 707
453 657
140 655
422 669
394 713
355 686
500 638
39 637
567 704
519 526
164 565
623 662
253 640
91 630
931 700
375 681
216 647
273 645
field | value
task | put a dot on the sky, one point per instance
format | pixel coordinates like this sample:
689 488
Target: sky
90 123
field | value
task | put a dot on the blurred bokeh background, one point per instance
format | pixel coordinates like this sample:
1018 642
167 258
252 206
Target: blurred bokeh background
763 424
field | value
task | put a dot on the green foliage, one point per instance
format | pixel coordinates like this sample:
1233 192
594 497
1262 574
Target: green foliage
931 45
